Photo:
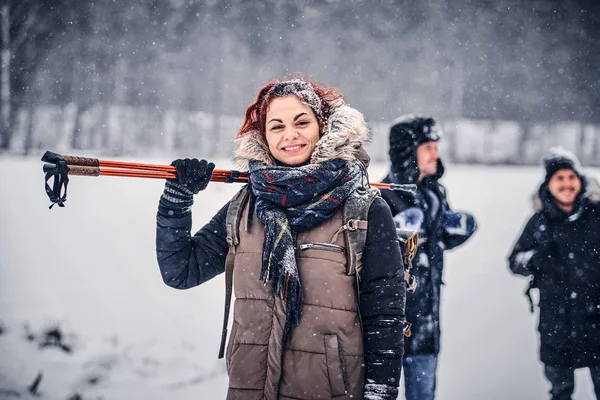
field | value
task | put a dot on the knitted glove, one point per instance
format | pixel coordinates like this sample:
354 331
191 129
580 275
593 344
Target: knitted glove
375 391
193 176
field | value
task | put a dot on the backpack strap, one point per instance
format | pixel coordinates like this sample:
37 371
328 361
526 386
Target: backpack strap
530 286
409 242
232 222
356 215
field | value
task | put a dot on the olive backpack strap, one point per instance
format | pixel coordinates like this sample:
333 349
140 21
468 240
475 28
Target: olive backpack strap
234 216
356 213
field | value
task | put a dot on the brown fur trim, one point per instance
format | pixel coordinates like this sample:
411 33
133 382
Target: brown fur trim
252 146
345 132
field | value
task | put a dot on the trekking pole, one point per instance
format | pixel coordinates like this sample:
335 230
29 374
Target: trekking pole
168 172
85 166
60 166
82 170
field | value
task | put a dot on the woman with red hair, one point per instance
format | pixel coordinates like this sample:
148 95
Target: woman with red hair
311 319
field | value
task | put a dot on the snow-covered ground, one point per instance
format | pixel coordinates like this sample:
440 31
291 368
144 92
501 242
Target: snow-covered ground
90 270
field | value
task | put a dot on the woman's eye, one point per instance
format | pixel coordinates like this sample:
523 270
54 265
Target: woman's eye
303 123
276 127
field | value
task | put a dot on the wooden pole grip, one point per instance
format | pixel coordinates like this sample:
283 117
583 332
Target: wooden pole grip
81 161
84 170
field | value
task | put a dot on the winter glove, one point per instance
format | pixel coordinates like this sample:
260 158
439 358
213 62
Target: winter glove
193 176
375 391
411 218
458 223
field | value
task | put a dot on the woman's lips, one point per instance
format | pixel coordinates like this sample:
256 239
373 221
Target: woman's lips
293 149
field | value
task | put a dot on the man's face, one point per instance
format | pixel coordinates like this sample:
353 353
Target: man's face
564 186
427 158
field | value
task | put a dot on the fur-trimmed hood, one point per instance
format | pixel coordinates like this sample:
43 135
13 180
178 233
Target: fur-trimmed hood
346 131
407 133
590 189
561 158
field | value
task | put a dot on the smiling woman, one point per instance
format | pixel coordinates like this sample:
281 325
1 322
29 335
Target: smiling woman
300 319
292 130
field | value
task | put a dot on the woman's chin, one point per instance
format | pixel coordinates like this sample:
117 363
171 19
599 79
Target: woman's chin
294 161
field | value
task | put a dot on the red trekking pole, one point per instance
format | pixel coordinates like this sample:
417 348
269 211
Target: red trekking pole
61 166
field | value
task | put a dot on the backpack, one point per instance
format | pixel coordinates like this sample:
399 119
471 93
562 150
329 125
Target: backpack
355 213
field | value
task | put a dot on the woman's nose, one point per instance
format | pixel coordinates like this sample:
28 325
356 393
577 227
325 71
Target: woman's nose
291 134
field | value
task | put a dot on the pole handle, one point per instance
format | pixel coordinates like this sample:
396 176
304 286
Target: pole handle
53 158
82 161
75 170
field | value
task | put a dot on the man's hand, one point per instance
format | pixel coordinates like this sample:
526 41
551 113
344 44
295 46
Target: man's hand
458 223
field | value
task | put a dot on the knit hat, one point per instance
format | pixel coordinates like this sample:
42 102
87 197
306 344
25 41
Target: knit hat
560 158
409 131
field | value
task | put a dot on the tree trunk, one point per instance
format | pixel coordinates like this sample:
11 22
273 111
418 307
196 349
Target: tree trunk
526 131
29 139
286 30
5 99
456 103
219 85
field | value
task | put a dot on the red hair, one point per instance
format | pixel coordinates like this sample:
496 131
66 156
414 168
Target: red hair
256 113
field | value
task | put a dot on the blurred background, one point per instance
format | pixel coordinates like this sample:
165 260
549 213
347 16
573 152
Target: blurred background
506 78
84 313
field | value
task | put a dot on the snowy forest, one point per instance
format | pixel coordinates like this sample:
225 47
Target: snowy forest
125 77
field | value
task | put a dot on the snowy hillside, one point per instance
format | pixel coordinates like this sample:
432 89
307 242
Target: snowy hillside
89 270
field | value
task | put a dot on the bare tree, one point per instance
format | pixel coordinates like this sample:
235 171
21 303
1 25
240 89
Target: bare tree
5 73
28 29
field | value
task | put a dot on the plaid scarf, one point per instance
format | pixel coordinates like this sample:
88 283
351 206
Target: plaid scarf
296 199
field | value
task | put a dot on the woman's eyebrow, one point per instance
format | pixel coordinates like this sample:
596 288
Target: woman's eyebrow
299 115
276 120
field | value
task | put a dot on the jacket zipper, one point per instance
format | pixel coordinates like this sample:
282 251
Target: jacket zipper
322 246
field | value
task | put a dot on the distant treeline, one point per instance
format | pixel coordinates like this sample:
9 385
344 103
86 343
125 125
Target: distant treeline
115 130
497 60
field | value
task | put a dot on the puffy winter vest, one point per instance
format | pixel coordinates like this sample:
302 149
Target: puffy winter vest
324 356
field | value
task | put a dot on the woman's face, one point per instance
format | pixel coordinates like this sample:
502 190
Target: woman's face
292 130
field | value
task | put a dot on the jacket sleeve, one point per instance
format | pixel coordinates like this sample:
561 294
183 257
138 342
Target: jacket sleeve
529 253
457 226
186 261
382 298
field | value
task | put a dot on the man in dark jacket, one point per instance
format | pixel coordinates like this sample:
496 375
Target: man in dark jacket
560 249
415 159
